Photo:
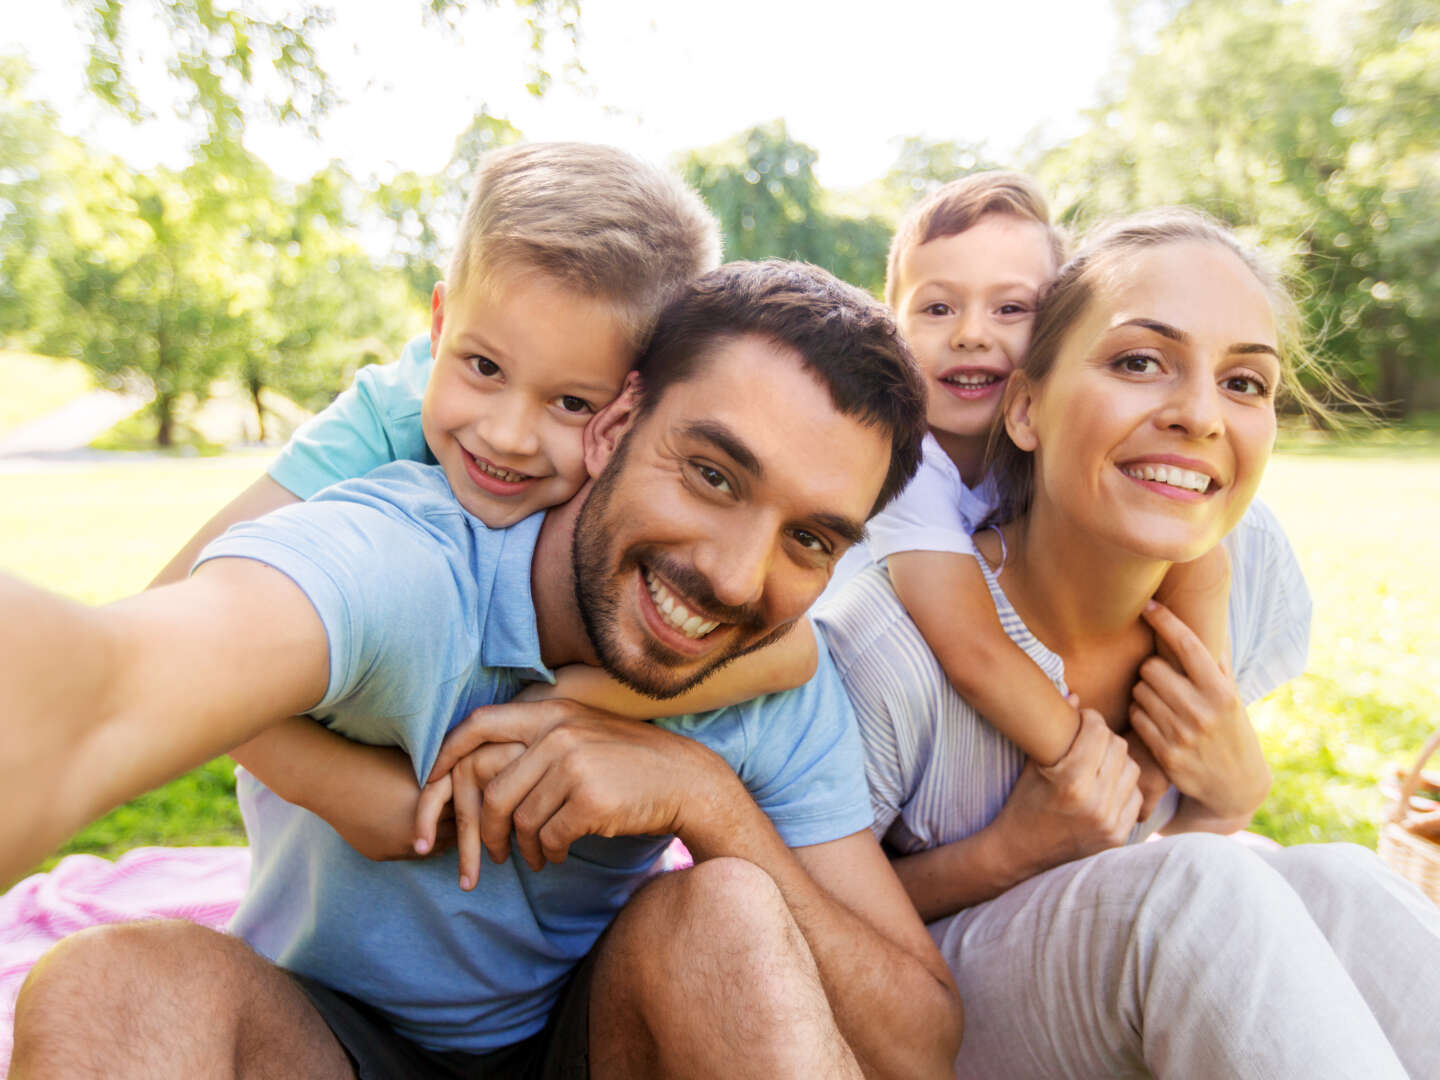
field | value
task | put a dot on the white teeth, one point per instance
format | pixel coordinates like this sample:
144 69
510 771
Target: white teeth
508 475
1171 475
982 378
676 613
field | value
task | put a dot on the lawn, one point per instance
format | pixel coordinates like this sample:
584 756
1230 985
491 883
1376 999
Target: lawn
1362 519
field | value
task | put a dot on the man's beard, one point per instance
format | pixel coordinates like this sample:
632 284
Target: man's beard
655 673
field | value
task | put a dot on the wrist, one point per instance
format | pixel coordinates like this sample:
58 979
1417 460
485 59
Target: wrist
714 810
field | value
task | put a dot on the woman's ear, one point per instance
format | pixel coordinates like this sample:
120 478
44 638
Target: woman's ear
1019 402
608 426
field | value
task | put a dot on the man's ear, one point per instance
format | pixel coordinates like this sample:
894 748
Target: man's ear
1019 403
608 426
437 317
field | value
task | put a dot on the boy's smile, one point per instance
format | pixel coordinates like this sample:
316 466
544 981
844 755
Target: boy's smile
521 364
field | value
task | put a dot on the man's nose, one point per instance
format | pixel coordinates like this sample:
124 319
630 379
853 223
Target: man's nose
736 565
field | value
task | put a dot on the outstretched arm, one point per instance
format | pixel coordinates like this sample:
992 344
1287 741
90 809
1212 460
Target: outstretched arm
100 704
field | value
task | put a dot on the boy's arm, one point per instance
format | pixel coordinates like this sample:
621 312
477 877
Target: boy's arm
367 794
255 501
99 704
947 598
782 665
1198 592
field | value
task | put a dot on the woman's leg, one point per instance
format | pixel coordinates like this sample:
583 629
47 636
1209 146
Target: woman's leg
1186 957
1385 932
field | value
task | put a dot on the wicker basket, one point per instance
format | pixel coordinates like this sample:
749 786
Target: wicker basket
1409 855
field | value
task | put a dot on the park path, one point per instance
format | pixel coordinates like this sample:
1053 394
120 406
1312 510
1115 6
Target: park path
66 433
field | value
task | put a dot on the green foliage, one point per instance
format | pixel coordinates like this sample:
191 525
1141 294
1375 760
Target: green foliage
1314 128
762 187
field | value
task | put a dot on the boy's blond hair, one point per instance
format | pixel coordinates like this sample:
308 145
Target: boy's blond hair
958 206
592 218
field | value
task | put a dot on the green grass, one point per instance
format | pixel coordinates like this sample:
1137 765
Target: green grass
36 385
1363 518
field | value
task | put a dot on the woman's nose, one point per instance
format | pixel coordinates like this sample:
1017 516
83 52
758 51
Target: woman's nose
1195 408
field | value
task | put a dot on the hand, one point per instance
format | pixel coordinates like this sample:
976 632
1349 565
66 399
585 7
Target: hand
1193 721
553 771
1153 783
1085 803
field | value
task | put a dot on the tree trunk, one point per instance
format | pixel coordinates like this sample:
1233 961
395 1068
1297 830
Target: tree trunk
165 415
1394 385
255 387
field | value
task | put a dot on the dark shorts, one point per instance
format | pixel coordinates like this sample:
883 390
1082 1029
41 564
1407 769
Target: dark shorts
560 1051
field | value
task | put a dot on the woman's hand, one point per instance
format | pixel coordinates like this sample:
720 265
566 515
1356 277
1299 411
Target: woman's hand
1193 721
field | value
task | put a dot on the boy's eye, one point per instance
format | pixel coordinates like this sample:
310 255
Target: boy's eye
1137 364
572 404
485 366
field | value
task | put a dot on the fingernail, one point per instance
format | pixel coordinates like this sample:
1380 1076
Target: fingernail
1150 605
422 846
466 883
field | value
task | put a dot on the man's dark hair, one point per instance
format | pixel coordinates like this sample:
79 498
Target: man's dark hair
844 336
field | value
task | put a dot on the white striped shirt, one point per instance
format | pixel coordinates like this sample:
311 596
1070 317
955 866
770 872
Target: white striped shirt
937 771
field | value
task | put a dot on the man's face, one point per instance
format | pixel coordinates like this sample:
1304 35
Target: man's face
720 516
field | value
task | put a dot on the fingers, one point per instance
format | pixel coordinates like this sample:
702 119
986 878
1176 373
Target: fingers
514 722
434 800
467 823
503 795
1195 659
533 818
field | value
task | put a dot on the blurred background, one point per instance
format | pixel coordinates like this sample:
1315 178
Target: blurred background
210 216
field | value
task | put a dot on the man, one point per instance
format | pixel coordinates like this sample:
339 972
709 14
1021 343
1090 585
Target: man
737 483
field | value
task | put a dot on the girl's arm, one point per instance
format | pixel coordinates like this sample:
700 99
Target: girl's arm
1198 592
367 794
781 665
946 596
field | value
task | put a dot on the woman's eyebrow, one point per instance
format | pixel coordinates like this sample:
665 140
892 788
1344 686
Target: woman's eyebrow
1175 334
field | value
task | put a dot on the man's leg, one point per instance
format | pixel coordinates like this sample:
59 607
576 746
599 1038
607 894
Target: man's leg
166 999
1186 957
1385 932
704 973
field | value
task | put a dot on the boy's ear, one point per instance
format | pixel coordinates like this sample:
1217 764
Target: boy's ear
437 316
608 426
1019 401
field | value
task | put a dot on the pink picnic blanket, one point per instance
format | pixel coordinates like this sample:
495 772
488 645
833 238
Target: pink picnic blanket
201 884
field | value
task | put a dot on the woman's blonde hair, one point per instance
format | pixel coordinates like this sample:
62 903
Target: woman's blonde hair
1066 298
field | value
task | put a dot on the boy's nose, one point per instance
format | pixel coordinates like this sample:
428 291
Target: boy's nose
970 332
512 429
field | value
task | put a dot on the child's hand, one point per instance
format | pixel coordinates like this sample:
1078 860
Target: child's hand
379 825
1152 782
450 806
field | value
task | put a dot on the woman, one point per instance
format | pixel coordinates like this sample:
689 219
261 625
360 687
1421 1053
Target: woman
1138 431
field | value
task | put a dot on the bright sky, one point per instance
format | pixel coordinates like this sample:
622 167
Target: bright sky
848 76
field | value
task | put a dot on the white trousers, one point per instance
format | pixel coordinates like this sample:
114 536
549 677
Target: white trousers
1197 956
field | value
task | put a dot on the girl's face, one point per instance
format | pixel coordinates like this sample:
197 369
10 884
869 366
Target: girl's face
1153 427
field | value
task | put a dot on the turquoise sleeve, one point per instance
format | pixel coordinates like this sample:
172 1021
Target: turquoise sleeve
374 422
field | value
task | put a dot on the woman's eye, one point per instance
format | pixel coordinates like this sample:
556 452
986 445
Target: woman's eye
485 366
1137 364
713 477
572 404
1245 384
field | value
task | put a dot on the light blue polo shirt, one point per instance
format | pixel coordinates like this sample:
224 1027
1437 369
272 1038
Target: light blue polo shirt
375 421
429 614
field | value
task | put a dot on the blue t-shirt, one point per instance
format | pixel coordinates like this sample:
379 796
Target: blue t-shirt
375 421
429 615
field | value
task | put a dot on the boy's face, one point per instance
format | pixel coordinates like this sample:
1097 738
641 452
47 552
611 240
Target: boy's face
966 304
520 367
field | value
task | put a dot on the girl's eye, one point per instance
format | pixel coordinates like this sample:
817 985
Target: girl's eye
1013 309
937 309
1137 364
572 404
485 366
810 541
1245 384
713 478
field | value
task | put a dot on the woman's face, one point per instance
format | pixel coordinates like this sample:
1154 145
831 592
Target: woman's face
1153 428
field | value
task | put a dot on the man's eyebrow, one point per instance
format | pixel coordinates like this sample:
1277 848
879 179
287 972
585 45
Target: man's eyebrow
1168 331
727 442
848 529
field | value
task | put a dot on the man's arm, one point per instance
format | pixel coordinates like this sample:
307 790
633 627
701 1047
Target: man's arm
585 773
100 704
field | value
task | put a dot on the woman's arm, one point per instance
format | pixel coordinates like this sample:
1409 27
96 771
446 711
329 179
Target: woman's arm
946 597
1085 803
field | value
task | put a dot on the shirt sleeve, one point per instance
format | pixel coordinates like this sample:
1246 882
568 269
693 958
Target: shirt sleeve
375 421
1270 606
927 515
385 592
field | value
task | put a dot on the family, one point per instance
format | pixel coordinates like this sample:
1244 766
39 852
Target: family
519 610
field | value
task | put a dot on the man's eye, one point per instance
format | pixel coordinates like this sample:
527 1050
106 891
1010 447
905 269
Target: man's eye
810 541
485 366
713 477
572 404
